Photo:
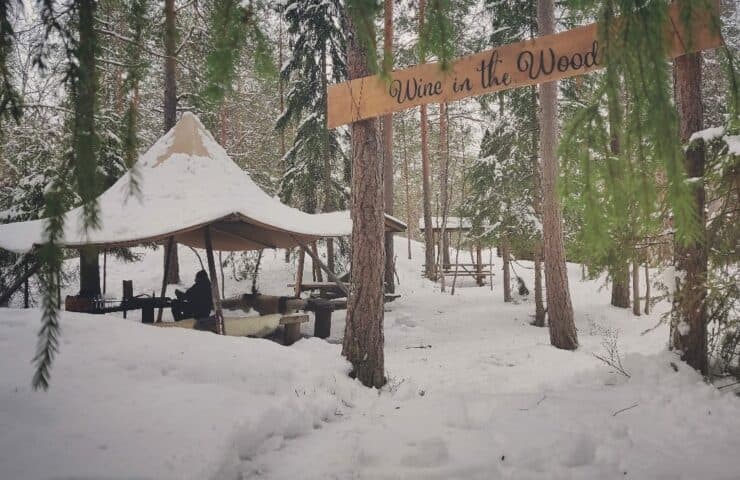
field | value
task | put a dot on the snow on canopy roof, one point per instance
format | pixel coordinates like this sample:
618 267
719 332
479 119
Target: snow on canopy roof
186 181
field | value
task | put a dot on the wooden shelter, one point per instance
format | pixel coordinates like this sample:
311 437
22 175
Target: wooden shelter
186 189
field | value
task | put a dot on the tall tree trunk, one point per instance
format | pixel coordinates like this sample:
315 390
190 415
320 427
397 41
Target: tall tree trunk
390 267
444 170
406 182
426 181
636 287
620 285
689 315
85 138
539 304
170 113
328 200
507 269
363 335
647 287
559 307
281 93
620 271
89 273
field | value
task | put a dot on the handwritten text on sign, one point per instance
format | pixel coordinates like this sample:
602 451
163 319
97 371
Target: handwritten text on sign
543 59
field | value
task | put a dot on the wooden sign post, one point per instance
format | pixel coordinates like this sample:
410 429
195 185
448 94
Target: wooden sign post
543 59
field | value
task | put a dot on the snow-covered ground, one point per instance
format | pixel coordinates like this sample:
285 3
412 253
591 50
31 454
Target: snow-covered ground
474 391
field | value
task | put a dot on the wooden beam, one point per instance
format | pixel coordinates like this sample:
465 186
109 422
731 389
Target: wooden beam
168 248
242 237
321 264
215 294
539 60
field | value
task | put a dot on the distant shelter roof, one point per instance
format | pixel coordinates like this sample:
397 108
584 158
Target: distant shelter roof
452 224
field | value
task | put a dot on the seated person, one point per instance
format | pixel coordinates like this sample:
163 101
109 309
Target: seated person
196 302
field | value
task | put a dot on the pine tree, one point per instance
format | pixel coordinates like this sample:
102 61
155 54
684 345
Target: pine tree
650 125
500 198
318 57
363 336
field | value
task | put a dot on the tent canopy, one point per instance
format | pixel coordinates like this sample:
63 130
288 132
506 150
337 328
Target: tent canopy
182 184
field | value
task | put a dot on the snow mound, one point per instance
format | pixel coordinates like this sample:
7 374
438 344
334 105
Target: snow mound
135 401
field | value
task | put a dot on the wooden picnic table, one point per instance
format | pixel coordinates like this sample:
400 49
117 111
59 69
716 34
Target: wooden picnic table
99 307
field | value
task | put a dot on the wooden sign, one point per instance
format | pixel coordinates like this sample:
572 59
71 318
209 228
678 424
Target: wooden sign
543 59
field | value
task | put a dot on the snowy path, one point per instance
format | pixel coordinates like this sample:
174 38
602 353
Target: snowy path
488 399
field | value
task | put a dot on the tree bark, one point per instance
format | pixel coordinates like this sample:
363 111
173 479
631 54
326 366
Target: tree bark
636 288
89 273
689 316
620 271
85 138
170 113
408 192
507 270
647 288
559 308
363 335
620 286
390 267
426 181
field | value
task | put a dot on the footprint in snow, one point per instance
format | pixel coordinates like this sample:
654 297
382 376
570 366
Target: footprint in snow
432 452
498 362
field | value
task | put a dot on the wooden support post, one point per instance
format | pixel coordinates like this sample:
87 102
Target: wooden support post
170 243
105 269
299 273
292 328
321 264
322 322
214 282
292 333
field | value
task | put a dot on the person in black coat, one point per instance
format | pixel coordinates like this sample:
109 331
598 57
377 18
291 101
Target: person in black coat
196 302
